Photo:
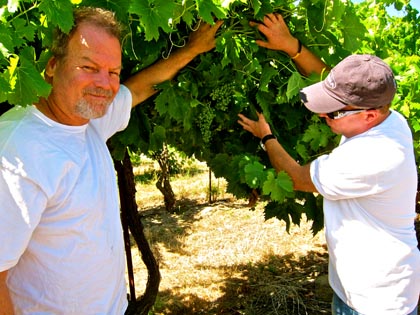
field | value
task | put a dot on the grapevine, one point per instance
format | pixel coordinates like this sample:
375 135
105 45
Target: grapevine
196 112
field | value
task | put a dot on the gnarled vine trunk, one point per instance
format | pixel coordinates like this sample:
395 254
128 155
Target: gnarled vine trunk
130 215
163 183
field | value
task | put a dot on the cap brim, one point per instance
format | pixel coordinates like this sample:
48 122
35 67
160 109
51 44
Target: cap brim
317 100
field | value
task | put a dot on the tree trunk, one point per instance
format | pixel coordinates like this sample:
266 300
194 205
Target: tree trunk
127 190
163 183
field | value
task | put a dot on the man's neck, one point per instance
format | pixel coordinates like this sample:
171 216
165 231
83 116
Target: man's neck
46 107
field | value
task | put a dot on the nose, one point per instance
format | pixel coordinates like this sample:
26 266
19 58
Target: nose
103 80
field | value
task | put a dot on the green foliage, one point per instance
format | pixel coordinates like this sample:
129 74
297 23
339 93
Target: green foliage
154 15
196 113
397 41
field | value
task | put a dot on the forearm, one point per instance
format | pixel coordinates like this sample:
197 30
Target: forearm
306 61
6 306
282 161
142 84
279 158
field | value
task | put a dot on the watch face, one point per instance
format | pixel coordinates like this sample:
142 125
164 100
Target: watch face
265 139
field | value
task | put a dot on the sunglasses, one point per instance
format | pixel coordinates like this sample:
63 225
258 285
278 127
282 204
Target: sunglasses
343 113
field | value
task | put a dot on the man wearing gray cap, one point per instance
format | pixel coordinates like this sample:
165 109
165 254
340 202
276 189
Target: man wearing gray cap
368 182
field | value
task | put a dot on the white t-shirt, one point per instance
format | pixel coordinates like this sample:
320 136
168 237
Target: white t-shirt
369 187
60 228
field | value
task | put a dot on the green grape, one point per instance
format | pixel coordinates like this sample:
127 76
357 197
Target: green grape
222 96
204 120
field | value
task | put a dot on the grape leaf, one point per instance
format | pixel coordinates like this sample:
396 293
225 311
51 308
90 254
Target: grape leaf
220 164
290 212
154 14
353 32
23 30
6 40
317 135
256 5
229 47
120 7
278 186
27 83
315 14
254 174
242 162
186 15
268 73
294 84
265 100
312 206
170 102
157 138
276 210
58 13
208 10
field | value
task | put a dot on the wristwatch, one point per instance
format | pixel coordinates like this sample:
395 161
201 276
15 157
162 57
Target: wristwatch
265 139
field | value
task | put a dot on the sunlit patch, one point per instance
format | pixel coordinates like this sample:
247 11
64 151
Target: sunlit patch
12 172
83 41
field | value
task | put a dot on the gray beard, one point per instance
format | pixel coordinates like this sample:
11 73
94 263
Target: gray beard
90 111
85 110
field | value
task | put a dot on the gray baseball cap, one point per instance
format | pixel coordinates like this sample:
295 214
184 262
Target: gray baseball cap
363 81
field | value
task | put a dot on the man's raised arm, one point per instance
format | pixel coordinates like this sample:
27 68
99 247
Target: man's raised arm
279 38
142 84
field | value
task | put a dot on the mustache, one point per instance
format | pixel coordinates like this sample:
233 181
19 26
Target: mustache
97 92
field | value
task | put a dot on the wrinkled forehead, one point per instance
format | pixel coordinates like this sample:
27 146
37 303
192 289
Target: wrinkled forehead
96 43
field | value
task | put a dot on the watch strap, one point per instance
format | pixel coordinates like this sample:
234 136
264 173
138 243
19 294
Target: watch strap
267 137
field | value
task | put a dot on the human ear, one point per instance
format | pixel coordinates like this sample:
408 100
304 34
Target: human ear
50 69
371 115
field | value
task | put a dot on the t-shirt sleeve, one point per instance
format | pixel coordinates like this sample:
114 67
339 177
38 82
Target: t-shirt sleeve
342 175
117 116
22 204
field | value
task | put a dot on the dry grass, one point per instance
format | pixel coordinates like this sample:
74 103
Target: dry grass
223 258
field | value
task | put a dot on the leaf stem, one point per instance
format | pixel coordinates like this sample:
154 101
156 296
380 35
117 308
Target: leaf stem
25 12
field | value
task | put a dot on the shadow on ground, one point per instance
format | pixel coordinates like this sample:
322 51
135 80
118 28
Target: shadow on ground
280 285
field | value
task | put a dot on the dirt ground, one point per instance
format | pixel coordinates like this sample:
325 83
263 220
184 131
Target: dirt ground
224 258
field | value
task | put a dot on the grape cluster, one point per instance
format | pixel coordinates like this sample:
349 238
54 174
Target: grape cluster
222 95
205 119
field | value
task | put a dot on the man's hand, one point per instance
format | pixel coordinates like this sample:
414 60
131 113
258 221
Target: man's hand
277 33
204 38
259 128
279 38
